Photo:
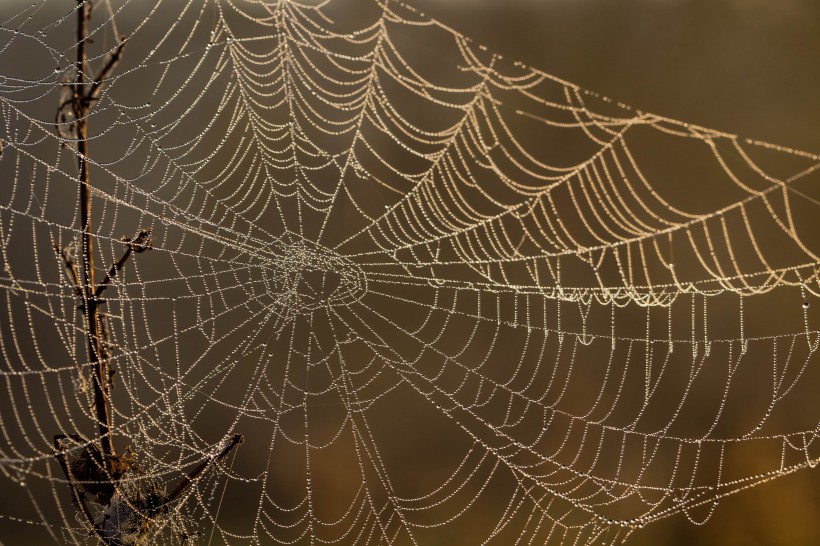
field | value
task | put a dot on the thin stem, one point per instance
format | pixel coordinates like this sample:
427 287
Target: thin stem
80 271
96 347
187 480
107 70
138 244
115 268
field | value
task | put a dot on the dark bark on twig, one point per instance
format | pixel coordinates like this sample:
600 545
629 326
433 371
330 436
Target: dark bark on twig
94 93
105 469
82 99
236 440
138 244
98 352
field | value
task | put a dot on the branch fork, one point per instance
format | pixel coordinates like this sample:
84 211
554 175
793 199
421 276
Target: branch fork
94 469
138 244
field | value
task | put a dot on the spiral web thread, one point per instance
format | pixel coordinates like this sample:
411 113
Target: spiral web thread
444 296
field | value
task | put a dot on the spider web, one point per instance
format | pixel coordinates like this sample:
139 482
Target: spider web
444 296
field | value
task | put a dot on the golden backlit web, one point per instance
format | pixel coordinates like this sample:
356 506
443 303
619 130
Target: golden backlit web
445 297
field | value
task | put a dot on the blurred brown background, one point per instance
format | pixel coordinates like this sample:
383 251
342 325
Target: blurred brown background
742 66
749 67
